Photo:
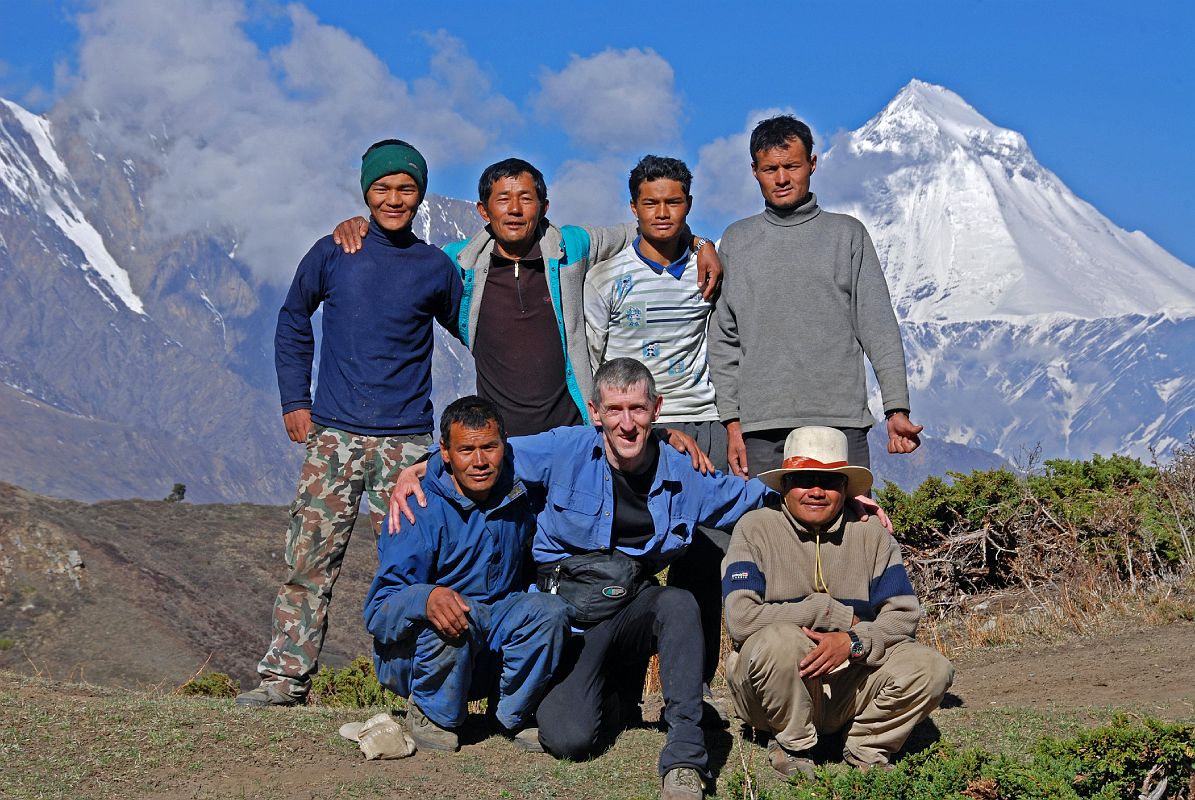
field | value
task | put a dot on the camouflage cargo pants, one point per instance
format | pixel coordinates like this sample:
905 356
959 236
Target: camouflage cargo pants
339 467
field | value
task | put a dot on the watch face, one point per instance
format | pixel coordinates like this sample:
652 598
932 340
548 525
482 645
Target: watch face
856 645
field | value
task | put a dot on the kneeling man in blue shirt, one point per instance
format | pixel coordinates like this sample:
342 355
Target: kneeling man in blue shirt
613 508
448 620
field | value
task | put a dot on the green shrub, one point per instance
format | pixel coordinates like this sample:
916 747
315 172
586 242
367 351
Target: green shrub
1109 763
1113 761
210 684
988 529
355 686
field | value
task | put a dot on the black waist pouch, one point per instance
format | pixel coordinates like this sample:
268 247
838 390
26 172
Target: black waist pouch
596 585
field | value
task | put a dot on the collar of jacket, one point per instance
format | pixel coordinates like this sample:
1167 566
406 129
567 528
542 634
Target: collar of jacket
832 533
509 487
664 466
481 246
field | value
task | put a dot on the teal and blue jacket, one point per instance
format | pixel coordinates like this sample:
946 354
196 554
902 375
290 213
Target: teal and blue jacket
569 251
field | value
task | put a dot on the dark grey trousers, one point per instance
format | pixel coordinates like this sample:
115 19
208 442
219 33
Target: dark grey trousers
699 570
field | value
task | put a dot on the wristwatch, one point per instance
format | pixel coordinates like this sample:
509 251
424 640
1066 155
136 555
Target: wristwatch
699 243
856 645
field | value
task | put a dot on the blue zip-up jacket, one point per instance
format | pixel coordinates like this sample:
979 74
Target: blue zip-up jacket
568 478
375 357
478 552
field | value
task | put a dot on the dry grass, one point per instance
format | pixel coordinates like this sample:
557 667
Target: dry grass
1079 608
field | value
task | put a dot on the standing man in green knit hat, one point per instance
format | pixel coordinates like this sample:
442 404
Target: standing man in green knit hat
372 411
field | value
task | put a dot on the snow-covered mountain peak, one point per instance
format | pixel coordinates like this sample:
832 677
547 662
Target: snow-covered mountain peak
923 120
34 177
970 226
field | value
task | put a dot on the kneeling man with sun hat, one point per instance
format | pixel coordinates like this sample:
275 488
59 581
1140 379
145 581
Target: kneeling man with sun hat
822 617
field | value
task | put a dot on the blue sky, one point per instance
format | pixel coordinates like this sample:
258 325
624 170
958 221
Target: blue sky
1104 93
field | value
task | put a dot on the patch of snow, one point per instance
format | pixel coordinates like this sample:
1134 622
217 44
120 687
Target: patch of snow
61 208
219 317
1166 389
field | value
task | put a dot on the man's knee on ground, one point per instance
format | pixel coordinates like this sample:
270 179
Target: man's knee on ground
574 738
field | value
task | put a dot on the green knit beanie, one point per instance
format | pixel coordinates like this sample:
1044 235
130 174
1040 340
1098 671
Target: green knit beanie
389 157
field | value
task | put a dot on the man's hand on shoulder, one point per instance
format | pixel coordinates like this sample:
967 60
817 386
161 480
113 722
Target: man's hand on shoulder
709 268
406 485
684 443
866 506
833 648
902 433
350 233
446 611
297 424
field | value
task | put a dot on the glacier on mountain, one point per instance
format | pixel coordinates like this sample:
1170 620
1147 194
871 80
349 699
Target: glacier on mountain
1029 318
54 190
971 227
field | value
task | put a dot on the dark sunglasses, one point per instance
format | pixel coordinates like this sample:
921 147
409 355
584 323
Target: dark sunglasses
822 480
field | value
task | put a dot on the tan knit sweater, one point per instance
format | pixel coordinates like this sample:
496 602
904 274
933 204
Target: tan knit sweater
771 574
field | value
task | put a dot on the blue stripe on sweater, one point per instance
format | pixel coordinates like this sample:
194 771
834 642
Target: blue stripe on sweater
743 575
894 582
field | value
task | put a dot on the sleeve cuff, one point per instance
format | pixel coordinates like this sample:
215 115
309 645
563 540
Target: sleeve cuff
840 616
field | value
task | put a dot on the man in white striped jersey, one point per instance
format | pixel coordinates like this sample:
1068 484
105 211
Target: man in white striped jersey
643 304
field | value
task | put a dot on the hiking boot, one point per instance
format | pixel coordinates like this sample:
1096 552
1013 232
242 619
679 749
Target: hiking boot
266 695
427 734
863 766
526 740
788 763
682 783
713 710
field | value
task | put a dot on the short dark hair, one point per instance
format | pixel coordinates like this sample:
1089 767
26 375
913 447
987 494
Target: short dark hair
622 373
654 168
470 412
779 131
510 168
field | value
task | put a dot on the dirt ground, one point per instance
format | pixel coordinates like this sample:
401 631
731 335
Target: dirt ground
296 753
1150 672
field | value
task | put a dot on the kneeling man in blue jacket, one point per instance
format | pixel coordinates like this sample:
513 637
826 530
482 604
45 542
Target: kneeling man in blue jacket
449 621
614 507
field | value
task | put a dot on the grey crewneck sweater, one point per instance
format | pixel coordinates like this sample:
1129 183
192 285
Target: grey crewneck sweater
803 299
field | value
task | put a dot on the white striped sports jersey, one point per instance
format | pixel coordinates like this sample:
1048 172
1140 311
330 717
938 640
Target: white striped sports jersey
631 310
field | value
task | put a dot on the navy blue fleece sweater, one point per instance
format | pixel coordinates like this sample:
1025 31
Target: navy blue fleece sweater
375 355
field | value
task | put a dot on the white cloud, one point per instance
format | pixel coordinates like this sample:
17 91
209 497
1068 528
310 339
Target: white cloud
268 138
616 101
590 193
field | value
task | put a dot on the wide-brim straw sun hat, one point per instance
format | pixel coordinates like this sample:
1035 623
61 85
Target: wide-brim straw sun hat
818 449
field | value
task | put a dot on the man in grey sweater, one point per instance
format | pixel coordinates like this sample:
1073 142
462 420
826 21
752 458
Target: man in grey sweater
803 300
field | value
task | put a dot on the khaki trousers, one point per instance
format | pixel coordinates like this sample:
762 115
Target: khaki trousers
878 706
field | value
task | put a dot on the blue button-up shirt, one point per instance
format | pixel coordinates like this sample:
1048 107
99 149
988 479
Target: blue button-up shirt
568 477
